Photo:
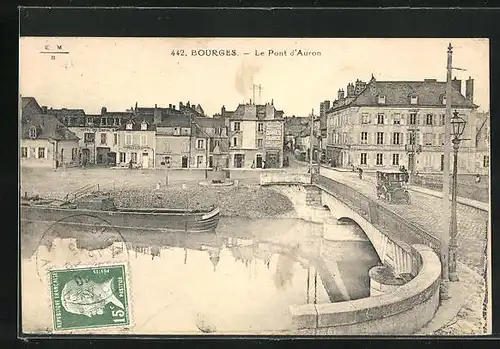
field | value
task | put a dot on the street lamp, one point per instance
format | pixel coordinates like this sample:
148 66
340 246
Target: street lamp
457 129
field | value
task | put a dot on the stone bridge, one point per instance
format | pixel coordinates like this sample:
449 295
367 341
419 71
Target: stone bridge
331 202
408 251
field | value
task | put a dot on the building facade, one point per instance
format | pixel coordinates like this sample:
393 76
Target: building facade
256 136
373 124
45 141
136 144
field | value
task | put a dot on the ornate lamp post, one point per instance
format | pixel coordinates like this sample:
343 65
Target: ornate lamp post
457 129
412 149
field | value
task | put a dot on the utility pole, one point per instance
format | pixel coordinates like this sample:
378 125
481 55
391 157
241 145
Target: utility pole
446 175
311 141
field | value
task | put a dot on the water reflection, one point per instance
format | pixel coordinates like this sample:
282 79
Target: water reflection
241 279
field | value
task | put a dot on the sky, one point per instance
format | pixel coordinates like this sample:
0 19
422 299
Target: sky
118 72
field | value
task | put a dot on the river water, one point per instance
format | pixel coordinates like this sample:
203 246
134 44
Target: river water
241 280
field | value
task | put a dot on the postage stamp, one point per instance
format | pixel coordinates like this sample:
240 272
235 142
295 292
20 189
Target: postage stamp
89 297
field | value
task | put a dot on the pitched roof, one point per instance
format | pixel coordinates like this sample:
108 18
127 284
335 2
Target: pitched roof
175 120
48 127
207 122
66 112
136 126
430 93
26 101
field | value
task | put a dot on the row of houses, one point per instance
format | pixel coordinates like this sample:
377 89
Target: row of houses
183 137
375 125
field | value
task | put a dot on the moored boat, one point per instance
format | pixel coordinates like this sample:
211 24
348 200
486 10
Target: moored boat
103 206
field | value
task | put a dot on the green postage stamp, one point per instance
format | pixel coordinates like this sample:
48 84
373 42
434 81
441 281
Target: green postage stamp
89 297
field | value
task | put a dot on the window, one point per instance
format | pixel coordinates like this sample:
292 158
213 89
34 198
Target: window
218 130
363 159
413 118
429 119
74 153
32 132
144 126
412 138
380 159
123 157
259 142
199 160
200 144
128 139
443 119
235 142
365 118
144 140
380 137
260 127
129 126
428 139
24 152
380 119
395 159
103 138
89 120
397 119
216 143
396 138
236 126
427 160
381 99
413 100
486 161
115 139
166 160
364 137
89 137
41 153
133 157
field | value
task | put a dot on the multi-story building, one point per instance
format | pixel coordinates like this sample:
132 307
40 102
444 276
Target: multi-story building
373 123
45 141
256 134
293 128
136 143
483 143
174 142
210 133
97 133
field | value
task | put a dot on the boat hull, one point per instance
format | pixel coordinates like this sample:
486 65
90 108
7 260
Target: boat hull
146 219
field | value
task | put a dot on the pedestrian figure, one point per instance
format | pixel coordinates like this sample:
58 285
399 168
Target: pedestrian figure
253 164
130 165
478 178
360 171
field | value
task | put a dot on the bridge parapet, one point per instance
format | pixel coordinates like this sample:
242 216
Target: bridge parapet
396 227
274 178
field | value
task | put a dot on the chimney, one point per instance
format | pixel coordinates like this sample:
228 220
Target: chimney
44 109
188 104
222 110
350 90
156 105
103 110
457 84
360 86
170 106
180 105
340 94
469 89
157 119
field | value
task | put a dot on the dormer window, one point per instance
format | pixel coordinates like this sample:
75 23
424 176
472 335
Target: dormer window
144 126
129 126
33 132
444 100
413 99
381 99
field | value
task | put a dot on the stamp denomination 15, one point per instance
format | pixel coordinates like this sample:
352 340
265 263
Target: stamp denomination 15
89 297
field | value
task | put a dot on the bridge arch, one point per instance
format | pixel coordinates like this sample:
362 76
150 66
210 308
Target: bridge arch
397 255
